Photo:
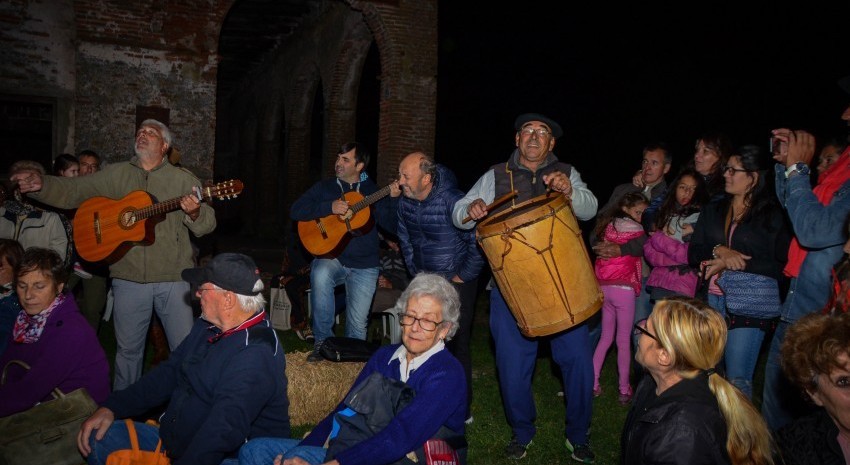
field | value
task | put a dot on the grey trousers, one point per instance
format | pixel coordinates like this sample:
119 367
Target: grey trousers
132 316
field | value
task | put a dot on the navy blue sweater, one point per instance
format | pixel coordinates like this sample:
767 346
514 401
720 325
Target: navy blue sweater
440 400
219 394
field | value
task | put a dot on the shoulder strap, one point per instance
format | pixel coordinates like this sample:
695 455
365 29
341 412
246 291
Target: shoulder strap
131 433
134 439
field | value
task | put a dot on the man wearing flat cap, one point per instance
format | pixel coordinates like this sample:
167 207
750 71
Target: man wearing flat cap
223 385
532 169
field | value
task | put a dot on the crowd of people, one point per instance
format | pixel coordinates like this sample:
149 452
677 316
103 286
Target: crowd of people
699 274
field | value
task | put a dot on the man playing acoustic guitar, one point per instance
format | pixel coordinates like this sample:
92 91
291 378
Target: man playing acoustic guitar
144 278
356 265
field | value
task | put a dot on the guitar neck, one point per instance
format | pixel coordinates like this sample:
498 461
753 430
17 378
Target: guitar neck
370 199
162 207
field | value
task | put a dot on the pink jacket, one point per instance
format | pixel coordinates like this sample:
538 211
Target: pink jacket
624 270
669 258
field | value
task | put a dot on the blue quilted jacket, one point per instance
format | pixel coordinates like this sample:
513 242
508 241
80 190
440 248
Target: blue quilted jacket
429 240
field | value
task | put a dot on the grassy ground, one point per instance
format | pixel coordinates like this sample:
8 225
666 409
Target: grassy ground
489 433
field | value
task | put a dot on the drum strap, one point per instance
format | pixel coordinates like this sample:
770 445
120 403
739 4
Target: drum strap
511 177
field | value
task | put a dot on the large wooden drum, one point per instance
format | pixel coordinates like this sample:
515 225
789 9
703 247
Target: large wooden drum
541 264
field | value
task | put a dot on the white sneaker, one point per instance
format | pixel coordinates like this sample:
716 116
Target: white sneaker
79 271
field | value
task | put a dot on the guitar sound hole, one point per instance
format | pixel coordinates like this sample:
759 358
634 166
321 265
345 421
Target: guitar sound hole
128 219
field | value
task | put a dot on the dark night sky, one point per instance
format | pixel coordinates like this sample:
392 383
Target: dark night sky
619 77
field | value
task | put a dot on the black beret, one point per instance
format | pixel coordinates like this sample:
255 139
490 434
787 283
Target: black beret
524 118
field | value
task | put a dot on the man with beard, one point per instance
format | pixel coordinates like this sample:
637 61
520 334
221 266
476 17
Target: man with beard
145 278
357 265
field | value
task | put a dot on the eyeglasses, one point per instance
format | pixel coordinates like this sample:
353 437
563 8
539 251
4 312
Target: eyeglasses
732 170
427 325
640 330
541 132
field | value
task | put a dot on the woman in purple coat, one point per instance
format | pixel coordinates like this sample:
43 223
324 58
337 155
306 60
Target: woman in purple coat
52 337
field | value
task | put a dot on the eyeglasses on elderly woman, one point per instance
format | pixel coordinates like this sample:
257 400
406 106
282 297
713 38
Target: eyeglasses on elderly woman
427 325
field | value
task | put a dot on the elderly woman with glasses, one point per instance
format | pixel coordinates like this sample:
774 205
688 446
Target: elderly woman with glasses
685 412
740 245
405 395
816 358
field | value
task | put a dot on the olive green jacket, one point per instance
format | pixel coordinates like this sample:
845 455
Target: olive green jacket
171 251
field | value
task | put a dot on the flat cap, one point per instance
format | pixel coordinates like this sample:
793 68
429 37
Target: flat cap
524 118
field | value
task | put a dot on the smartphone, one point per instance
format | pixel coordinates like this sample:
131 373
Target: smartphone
775 146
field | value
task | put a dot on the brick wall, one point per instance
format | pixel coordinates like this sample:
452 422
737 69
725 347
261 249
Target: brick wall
149 53
326 56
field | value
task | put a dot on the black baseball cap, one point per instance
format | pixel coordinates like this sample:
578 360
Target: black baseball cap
234 272
524 118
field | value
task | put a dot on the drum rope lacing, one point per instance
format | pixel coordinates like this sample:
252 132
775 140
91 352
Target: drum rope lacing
512 233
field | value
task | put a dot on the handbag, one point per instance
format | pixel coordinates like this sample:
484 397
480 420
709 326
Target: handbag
347 349
136 456
47 432
750 294
280 308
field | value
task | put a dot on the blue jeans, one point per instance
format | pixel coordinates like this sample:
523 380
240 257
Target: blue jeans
718 302
262 451
360 283
781 401
742 353
117 438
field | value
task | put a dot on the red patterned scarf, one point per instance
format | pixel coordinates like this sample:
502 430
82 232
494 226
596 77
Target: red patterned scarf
28 328
828 184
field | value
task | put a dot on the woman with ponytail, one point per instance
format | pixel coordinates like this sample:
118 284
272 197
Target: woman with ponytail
685 412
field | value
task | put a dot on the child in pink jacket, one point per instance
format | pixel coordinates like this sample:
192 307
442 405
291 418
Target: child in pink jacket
667 248
620 280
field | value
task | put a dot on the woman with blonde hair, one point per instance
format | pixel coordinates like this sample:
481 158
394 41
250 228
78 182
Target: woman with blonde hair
685 412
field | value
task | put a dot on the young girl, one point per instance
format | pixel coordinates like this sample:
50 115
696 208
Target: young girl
66 165
667 248
620 279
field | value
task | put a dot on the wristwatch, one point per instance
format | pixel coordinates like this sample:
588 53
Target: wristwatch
799 167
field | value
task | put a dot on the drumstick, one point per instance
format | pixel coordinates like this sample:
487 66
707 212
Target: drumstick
495 203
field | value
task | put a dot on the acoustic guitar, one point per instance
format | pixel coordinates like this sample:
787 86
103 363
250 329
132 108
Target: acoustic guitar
105 229
327 236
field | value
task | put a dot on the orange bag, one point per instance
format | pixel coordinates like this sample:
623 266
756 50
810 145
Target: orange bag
134 456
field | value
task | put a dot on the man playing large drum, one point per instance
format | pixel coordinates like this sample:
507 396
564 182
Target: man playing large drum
531 170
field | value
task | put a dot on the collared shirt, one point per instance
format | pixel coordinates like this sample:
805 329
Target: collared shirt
218 333
647 190
406 370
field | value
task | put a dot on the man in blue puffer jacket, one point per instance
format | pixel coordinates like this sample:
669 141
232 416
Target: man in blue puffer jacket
430 242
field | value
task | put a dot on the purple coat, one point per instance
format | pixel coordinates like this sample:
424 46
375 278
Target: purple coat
67 355
667 256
